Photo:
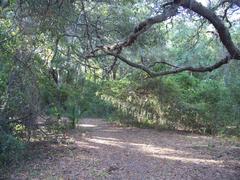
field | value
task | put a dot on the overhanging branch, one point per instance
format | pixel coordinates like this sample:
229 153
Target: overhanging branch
151 73
222 30
169 11
138 30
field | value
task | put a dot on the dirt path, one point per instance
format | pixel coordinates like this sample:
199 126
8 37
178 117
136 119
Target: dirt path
106 151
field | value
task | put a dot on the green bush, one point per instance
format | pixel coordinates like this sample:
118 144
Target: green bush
11 149
175 102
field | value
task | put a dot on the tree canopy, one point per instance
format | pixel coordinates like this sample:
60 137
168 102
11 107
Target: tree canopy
92 30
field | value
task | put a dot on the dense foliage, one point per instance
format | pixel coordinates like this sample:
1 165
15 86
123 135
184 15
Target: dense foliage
180 102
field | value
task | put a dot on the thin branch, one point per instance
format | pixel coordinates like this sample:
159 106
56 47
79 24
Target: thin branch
113 65
210 68
162 62
151 73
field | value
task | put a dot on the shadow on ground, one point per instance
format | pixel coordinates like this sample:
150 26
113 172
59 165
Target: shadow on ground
98 150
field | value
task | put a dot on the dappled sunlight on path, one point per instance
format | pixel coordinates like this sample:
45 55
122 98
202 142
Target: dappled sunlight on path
106 151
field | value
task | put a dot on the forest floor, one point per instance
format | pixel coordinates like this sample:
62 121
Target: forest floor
101 150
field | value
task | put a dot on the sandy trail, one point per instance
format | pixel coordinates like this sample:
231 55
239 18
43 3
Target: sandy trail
99 150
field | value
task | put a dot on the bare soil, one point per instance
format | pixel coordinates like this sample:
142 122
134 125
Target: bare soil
100 150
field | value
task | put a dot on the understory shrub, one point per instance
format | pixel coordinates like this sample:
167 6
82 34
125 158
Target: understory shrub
11 149
175 102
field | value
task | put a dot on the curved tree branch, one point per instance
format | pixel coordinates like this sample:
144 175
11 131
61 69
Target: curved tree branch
171 10
222 30
151 73
138 30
